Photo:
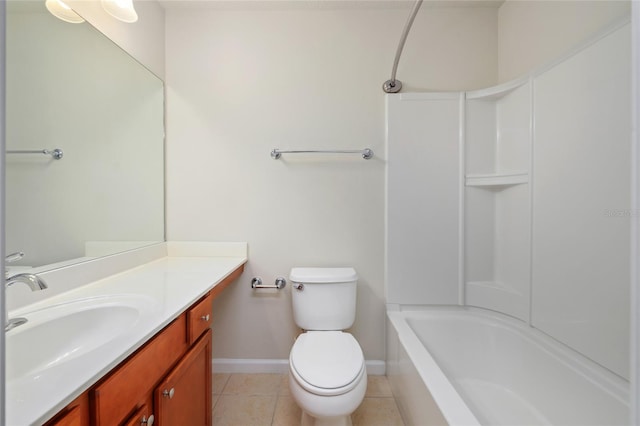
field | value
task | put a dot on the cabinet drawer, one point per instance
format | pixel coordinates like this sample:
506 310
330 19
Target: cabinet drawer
117 395
143 416
199 318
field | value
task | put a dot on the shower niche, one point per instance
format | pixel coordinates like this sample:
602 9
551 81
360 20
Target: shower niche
497 198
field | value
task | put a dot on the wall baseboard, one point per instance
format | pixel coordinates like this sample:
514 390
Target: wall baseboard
279 366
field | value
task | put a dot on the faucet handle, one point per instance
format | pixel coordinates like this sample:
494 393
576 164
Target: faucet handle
14 257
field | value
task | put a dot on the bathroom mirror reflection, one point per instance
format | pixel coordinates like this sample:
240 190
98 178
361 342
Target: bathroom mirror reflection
69 87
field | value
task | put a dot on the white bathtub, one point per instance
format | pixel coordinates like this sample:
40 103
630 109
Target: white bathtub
467 366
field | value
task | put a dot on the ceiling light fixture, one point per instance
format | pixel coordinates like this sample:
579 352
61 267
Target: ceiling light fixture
122 10
62 11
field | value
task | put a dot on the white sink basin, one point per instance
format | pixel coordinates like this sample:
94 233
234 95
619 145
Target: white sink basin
56 334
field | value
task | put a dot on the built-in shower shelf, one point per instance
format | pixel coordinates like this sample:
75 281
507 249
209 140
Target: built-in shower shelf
497 179
496 92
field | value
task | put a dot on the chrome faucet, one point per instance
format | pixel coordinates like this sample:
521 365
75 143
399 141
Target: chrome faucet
33 281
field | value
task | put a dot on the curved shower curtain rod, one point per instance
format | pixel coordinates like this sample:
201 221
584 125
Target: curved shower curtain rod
392 85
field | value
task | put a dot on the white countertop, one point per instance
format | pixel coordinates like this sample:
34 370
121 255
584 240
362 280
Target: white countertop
169 285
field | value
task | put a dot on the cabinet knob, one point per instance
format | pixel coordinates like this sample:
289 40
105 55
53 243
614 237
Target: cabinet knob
147 421
205 317
168 393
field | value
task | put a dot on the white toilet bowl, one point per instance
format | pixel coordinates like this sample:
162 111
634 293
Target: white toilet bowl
327 374
327 377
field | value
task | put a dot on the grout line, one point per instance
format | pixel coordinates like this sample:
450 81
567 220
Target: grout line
213 405
225 382
273 413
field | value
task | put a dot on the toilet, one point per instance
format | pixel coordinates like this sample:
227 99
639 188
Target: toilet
327 373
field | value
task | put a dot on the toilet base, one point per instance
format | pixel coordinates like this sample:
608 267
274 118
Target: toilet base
309 420
320 407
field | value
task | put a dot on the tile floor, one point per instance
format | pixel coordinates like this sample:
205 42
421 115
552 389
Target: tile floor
264 400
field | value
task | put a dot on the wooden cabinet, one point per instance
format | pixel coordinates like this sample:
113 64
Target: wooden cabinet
179 398
124 389
199 318
74 414
169 371
167 382
143 416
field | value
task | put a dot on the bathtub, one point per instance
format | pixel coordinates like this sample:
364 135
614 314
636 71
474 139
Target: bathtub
468 366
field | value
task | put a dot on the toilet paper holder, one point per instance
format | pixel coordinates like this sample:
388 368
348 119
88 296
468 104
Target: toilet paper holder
280 283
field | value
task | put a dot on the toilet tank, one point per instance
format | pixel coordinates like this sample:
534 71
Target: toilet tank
323 298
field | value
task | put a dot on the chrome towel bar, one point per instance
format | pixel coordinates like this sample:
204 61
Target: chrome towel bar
366 153
54 153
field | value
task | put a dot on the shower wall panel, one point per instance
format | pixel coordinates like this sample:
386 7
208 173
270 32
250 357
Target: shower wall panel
581 201
423 198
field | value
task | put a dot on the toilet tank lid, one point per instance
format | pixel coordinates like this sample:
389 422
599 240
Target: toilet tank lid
323 275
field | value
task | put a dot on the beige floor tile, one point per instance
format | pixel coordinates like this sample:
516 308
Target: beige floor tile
264 399
284 385
241 410
378 386
253 384
218 381
214 400
377 412
287 412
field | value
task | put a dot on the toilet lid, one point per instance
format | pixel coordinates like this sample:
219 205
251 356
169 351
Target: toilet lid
327 359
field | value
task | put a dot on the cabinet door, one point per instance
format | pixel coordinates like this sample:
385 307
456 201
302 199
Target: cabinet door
142 417
184 396
74 414
72 417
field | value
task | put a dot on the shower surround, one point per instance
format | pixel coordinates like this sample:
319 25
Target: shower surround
524 210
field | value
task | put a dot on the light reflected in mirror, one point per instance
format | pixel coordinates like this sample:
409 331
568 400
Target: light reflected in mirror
69 87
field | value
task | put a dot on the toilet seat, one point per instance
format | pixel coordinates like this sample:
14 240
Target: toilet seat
327 363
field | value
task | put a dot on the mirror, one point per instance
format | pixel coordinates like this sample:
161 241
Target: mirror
71 88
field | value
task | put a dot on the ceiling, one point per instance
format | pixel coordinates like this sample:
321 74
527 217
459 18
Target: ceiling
321 4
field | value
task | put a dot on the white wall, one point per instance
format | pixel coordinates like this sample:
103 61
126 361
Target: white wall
635 205
532 33
240 83
144 40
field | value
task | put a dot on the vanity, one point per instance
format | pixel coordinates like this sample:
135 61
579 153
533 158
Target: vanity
132 348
